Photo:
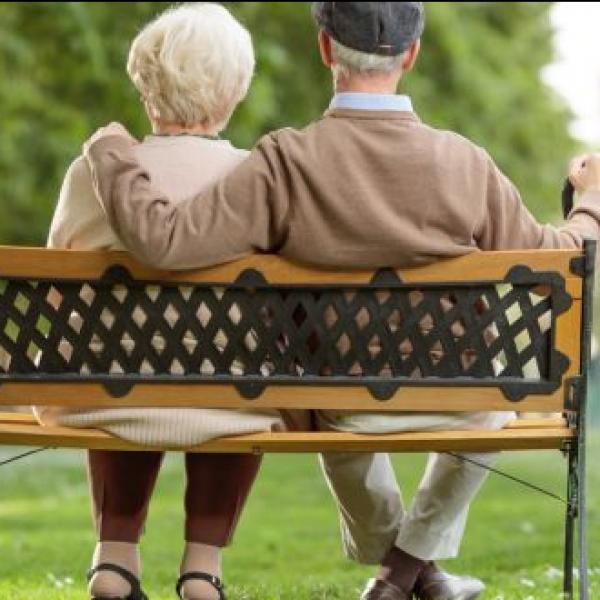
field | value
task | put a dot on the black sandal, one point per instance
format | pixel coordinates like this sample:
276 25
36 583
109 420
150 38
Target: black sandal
212 579
136 590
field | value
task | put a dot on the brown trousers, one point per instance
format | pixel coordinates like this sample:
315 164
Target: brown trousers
217 488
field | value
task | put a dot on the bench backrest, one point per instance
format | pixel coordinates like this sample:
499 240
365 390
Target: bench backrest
494 329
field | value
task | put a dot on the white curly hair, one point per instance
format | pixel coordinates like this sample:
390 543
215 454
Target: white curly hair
192 65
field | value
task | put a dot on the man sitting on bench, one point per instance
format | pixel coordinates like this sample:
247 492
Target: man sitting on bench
366 186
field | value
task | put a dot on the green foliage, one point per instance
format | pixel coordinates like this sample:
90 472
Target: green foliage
62 66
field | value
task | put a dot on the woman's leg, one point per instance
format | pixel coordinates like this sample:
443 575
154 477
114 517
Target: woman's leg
121 487
217 488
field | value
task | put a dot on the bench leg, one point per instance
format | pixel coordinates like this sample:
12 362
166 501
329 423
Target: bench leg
576 511
571 515
581 396
582 516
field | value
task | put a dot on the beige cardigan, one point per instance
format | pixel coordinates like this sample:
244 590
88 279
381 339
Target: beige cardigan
183 166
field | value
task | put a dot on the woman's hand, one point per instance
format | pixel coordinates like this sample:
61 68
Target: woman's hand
584 173
109 130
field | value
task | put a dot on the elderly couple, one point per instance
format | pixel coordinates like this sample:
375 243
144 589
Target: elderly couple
366 185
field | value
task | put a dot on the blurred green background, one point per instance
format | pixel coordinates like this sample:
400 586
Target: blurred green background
62 75
62 67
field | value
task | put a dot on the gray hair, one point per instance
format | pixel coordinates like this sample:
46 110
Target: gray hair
350 61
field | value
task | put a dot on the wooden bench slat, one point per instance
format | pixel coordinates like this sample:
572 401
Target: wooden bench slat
522 438
17 418
421 399
538 423
42 262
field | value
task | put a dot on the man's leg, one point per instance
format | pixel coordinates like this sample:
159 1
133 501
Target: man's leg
434 525
375 529
432 530
369 502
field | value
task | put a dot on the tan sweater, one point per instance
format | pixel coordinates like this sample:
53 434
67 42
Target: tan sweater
183 166
354 189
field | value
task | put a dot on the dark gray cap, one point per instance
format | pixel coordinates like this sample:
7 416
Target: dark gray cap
386 28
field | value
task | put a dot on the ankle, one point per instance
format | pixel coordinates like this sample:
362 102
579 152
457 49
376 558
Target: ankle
201 558
429 569
123 554
401 569
107 583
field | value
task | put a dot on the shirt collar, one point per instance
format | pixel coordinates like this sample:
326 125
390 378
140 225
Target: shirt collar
365 101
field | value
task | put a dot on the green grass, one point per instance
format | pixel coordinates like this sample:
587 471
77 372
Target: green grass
287 545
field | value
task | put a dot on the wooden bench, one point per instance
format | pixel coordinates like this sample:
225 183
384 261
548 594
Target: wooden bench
485 332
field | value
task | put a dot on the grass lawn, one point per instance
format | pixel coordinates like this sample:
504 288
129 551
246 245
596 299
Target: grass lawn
287 546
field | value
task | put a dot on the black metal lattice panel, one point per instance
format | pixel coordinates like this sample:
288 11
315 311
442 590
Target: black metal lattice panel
120 332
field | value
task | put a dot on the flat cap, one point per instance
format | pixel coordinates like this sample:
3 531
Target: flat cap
386 28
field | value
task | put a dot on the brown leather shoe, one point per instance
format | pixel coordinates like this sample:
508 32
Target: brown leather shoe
378 589
439 585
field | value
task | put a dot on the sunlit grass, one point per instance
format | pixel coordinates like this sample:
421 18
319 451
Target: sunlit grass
287 545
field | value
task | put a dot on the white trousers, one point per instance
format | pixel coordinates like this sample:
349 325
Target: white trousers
372 513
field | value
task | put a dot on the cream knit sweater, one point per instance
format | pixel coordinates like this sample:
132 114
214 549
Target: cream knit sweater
182 166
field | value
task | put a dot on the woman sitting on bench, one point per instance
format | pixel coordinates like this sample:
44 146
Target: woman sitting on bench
192 66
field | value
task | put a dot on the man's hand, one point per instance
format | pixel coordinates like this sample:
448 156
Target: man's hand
584 173
111 129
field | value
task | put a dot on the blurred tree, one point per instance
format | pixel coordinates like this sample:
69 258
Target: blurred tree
62 66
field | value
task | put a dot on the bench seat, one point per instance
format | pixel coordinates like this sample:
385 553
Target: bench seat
523 434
